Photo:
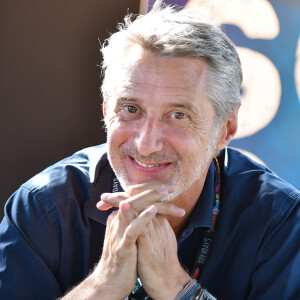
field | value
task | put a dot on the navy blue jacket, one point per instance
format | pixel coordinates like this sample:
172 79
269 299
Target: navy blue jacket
52 234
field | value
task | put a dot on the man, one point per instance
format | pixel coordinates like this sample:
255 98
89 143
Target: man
173 202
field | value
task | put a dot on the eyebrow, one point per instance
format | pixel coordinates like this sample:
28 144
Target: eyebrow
125 99
183 105
186 104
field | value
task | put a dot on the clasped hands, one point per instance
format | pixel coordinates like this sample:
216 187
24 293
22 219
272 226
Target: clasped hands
139 240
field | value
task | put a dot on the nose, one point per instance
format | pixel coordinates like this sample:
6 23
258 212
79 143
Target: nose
150 137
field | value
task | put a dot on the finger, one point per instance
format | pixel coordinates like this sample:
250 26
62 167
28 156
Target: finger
163 208
157 232
113 199
121 195
109 200
111 217
101 205
139 201
139 188
127 212
168 209
118 220
137 226
144 199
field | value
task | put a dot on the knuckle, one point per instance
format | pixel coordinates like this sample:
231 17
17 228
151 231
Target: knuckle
119 252
164 207
129 233
131 191
161 219
111 217
121 203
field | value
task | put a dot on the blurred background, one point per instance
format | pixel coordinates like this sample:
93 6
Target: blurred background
50 104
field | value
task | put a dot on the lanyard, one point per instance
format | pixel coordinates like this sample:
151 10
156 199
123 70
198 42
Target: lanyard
206 236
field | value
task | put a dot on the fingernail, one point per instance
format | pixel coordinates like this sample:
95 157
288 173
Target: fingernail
180 211
153 209
99 204
104 196
102 205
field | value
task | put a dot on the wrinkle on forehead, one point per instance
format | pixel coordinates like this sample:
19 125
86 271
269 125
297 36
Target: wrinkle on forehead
137 60
156 64
144 74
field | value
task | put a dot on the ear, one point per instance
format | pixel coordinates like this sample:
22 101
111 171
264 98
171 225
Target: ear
228 129
104 108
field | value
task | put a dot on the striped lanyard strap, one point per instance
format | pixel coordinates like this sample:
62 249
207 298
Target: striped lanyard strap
206 236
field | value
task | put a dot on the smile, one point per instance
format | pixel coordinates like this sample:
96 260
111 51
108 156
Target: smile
144 165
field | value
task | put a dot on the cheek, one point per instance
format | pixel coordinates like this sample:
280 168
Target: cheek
117 131
183 140
191 145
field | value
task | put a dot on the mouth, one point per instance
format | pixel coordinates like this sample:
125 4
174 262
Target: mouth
149 166
145 165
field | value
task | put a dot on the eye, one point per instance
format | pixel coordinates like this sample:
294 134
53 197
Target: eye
129 112
130 108
179 115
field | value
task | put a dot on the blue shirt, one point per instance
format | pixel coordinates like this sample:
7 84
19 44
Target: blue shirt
52 234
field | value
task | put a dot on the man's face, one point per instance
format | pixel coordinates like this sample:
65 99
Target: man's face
159 122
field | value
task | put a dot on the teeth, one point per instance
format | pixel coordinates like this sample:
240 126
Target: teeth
144 165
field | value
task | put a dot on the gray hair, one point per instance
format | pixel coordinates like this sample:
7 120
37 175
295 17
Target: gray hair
172 33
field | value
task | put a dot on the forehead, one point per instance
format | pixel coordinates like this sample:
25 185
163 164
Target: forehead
140 73
137 60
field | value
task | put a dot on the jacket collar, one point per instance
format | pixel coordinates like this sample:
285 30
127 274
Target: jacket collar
106 182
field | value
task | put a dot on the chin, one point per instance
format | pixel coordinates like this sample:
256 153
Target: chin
126 183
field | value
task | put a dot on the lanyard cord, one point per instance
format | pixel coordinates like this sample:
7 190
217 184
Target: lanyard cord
217 192
206 236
